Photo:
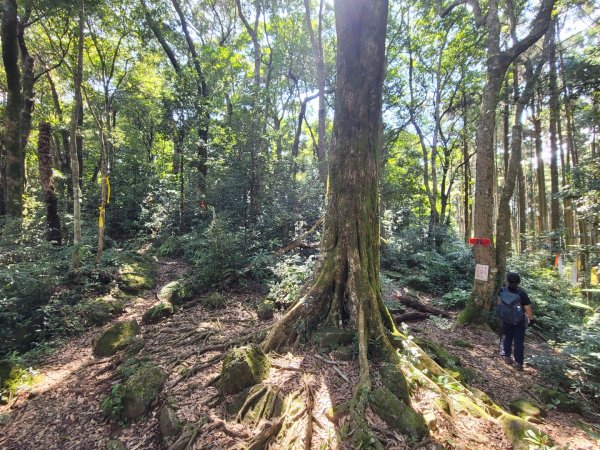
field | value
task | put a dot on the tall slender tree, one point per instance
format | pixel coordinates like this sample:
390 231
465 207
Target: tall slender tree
498 61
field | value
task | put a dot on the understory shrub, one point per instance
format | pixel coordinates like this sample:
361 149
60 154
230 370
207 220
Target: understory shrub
425 267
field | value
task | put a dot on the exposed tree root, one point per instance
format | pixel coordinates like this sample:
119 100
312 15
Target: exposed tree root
259 441
197 368
310 402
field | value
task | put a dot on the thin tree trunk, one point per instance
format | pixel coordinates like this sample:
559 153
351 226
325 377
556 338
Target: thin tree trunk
503 222
540 173
75 119
522 204
554 117
27 80
317 49
47 182
466 173
254 138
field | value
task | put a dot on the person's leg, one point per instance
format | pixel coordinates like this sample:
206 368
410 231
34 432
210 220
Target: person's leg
507 332
519 338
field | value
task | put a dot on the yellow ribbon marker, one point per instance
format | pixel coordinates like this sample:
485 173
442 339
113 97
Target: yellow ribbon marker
101 217
107 190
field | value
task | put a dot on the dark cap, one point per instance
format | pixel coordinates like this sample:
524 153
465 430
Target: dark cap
513 277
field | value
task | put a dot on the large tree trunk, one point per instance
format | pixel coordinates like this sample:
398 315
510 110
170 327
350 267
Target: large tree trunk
346 291
47 182
14 171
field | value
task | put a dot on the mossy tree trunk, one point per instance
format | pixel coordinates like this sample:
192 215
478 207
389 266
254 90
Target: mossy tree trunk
47 182
346 291
14 172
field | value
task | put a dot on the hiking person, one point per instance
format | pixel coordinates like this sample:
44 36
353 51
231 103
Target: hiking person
516 313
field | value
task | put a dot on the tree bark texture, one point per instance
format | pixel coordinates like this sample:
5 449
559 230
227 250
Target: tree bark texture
14 170
47 181
347 281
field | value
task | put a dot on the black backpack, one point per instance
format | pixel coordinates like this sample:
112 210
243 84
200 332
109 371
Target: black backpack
509 309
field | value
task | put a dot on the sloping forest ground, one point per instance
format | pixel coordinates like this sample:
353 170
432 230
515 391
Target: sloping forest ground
69 406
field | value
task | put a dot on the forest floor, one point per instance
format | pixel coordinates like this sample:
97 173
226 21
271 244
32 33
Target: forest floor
63 410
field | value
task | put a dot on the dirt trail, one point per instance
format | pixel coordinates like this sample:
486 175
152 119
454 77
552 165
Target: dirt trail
63 412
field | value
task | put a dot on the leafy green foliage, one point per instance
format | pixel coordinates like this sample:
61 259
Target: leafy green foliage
418 265
455 299
291 273
112 404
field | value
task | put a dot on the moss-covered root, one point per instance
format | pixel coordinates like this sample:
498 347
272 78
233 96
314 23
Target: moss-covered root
522 434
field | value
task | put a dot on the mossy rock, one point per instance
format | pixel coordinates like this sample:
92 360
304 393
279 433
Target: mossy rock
392 379
136 274
560 400
116 338
214 301
158 312
115 445
479 394
265 310
177 292
445 359
329 337
516 430
102 310
243 367
140 390
13 378
526 409
169 423
397 414
265 406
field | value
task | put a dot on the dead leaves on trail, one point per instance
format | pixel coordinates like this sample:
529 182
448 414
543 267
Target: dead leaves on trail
64 411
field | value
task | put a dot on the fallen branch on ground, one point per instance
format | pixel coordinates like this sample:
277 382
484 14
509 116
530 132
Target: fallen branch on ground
416 303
